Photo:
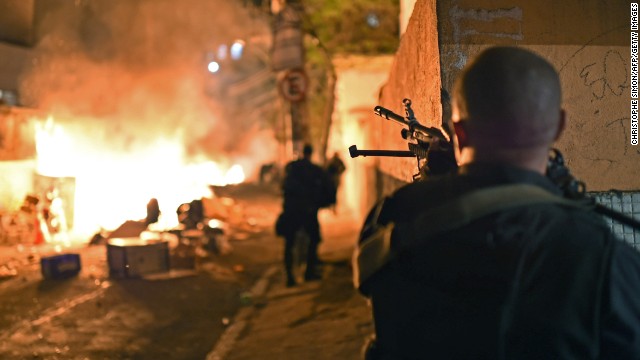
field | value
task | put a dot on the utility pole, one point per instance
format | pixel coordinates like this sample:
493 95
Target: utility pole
288 61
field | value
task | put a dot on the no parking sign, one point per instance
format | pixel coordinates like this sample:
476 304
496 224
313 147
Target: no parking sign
293 85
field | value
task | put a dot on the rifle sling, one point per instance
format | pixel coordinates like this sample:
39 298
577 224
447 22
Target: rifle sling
374 252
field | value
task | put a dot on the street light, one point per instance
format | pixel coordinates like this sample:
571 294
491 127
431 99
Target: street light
236 49
213 67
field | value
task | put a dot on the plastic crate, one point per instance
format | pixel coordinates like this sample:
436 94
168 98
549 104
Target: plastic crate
60 266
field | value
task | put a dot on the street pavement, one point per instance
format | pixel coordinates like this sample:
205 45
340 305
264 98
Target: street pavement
324 319
94 317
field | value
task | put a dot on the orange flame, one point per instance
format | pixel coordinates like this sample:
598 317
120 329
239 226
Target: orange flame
112 186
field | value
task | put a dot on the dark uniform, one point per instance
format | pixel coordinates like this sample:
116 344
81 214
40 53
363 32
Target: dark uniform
335 168
543 281
302 191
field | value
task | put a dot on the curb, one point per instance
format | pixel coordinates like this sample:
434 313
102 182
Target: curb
230 335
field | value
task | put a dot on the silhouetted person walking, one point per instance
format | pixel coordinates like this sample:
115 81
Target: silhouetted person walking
303 187
335 168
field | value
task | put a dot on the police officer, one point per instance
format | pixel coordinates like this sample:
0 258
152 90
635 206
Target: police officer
302 192
490 262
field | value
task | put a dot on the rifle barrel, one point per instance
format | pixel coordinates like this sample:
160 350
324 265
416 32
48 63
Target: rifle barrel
390 115
355 152
415 126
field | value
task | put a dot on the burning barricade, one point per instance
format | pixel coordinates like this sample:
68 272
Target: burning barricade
136 249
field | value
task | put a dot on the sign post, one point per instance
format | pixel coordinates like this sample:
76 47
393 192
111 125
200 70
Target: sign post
287 58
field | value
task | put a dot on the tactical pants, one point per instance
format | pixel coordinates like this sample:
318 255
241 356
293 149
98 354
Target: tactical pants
310 225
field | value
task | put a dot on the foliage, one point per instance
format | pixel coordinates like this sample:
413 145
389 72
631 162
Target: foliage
318 69
355 26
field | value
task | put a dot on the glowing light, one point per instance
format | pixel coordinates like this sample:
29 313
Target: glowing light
236 49
222 52
215 224
52 143
213 67
372 20
235 175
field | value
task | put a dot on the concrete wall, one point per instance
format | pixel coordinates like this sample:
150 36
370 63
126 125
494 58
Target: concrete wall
16 181
13 60
588 43
406 9
358 82
415 74
17 36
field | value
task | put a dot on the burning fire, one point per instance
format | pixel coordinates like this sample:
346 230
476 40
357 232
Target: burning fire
112 185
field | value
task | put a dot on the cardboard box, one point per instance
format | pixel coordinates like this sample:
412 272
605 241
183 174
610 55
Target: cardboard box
134 257
60 266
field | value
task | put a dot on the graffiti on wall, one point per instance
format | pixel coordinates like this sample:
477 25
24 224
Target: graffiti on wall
597 81
477 22
606 76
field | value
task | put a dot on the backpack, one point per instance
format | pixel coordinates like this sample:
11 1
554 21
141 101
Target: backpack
326 191
305 180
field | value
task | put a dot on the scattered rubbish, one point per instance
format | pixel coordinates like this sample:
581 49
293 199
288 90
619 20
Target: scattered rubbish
218 272
32 258
203 223
134 257
171 274
246 298
183 256
98 239
7 272
129 229
240 236
201 253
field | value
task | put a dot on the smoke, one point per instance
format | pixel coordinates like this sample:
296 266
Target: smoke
128 72
259 147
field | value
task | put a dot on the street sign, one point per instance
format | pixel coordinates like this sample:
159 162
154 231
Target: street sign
293 85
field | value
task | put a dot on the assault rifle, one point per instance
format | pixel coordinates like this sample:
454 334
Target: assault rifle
431 148
435 155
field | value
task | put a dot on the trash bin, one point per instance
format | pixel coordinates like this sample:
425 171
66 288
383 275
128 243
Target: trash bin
134 257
